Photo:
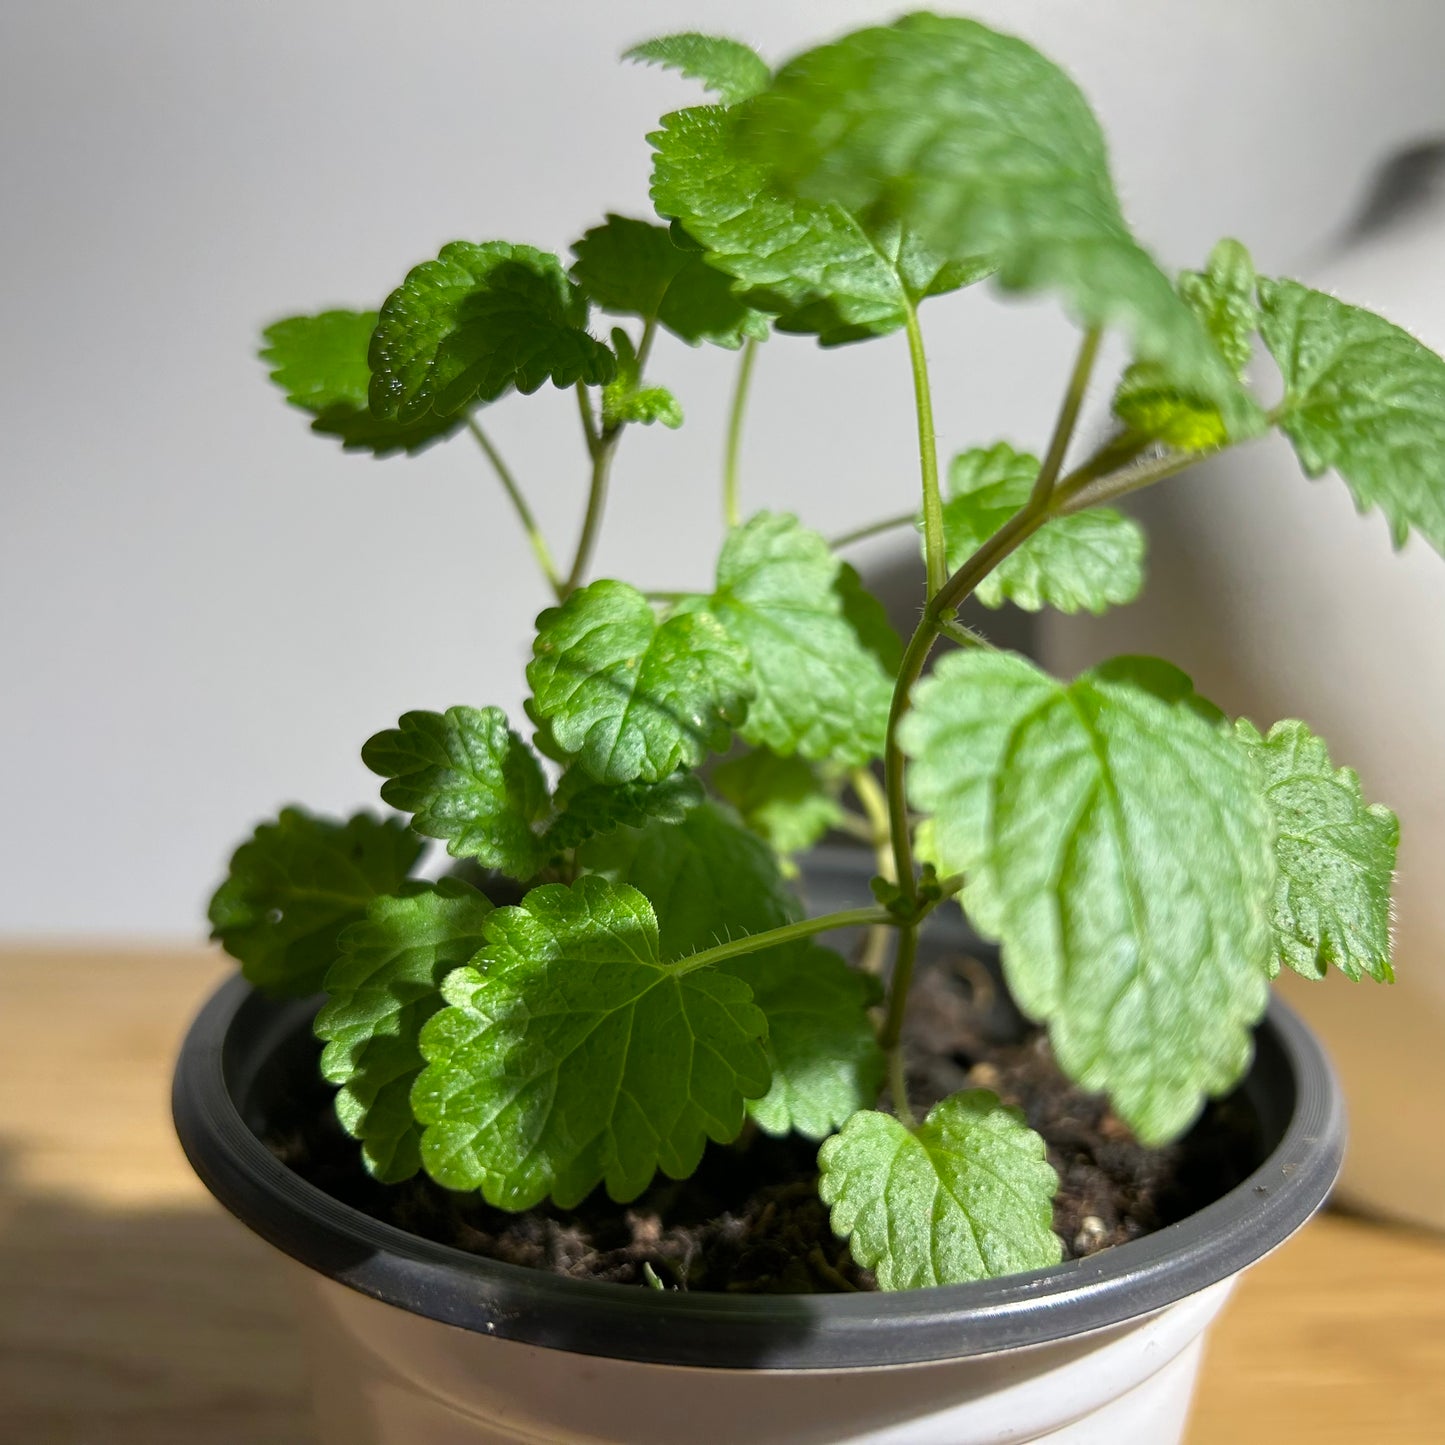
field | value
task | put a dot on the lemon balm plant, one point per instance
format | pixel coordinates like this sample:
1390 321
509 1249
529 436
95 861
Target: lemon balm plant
632 976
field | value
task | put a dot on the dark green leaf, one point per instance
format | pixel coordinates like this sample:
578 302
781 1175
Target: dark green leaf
1336 858
587 808
630 698
296 884
475 322
783 800
384 985
967 1195
469 780
572 1055
726 67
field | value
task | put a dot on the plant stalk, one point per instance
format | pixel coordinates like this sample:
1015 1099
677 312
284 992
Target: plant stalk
732 503
788 933
935 552
540 549
873 529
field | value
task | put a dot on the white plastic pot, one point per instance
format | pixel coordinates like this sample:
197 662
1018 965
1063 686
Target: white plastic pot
416 1343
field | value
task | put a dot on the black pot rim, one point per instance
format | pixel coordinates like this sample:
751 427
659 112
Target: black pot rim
787 1332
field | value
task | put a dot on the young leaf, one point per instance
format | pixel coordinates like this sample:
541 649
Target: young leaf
1222 297
296 884
1121 850
636 267
967 1195
813 639
587 808
384 985
320 363
781 799
820 268
726 67
625 399
1336 858
1085 562
984 148
709 881
1364 397
469 780
572 1055
630 698
475 322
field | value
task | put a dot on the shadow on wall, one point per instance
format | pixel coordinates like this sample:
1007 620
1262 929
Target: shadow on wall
162 1326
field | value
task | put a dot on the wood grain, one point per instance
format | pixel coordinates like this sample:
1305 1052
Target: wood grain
136 1312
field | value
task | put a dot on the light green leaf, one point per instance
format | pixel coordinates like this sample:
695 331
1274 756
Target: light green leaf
984 148
1336 858
1120 849
625 399
783 800
636 267
572 1055
384 985
320 363
1081 563
469 780
967 1195
1364 397
726 67
710 881
587 808
820 268
630 698
296 884
813 639
475 322
1222 297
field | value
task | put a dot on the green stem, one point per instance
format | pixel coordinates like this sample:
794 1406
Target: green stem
1080 490
519 502
935 552
1068 416
875 806
732 505
891 1036
788 933
596 504
589 421
861 534
955 631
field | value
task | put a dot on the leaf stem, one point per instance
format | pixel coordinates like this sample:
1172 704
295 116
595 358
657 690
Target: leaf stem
589 420
732 505
519 503
788 933
861 534
933 543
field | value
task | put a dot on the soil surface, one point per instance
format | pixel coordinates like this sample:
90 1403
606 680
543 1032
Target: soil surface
750 1219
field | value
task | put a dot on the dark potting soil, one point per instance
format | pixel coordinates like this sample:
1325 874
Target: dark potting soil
750 1219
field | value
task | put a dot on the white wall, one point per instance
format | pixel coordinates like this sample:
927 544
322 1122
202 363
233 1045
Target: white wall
206 609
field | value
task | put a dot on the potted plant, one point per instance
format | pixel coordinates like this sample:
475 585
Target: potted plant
608 1041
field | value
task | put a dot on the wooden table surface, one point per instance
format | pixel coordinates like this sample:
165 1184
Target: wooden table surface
134 1311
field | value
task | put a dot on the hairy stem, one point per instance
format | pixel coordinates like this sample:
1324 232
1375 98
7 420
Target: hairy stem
788 933
933 545
732 504
1081 490
892 1033
519 503
873 529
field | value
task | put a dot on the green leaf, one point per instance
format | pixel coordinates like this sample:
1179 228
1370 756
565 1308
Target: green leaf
1085 562
320 363
783 800
813 639
468 779
1336 858
984 148
572 1055
630 698
384 985
1119 847
710 881
296 884
588 808
625 399
637 268
1222 297
475 322
1364 397
726 67
967 1195
820 268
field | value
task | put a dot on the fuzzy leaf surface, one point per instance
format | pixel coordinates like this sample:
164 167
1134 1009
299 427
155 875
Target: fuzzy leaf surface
467 779
709 881
320 363
1335 854
1365 398
384 985
1086 562
1122 852
628 697
783 800
296 884
571 1055
728 68
626 399
587 808
818 267
477 321
986 149
967 1195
